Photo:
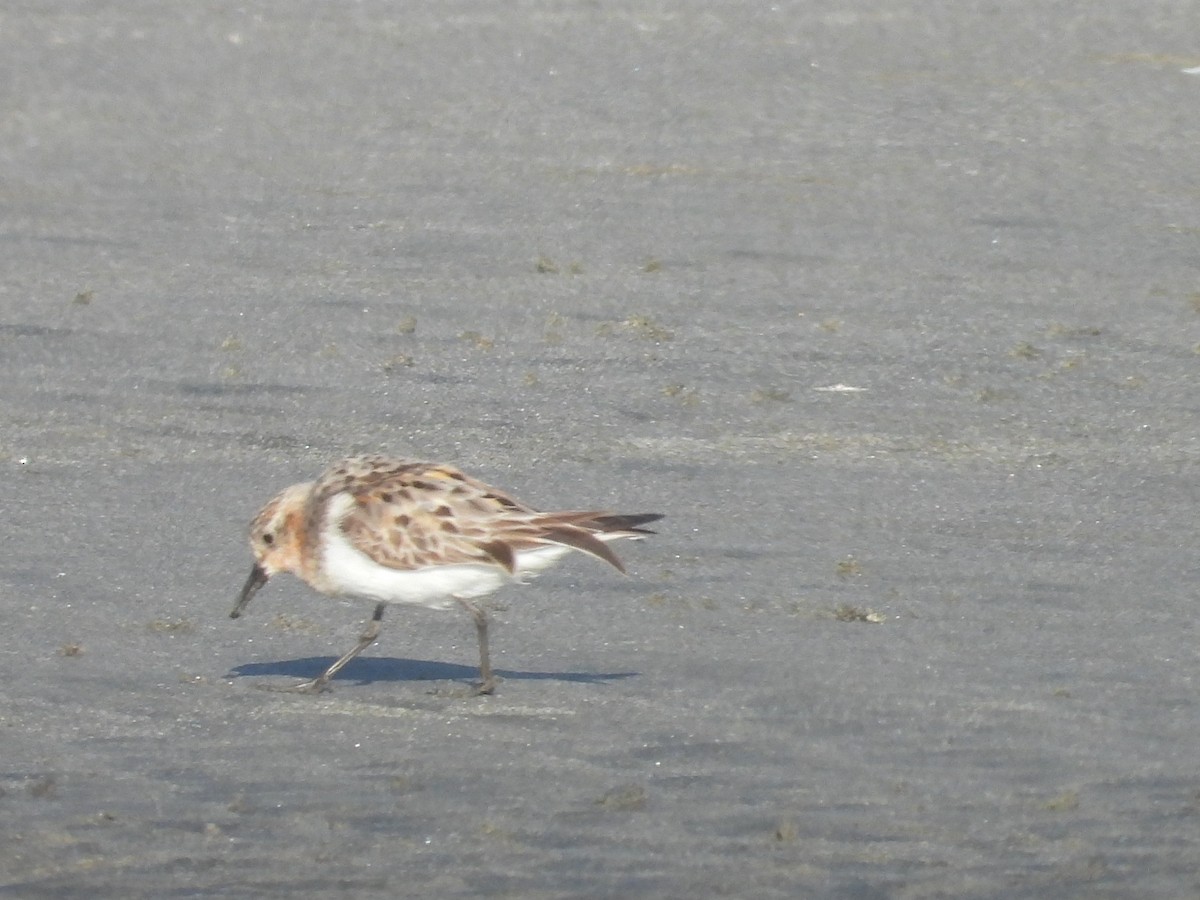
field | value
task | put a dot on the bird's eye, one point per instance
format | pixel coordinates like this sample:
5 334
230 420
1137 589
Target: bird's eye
268 539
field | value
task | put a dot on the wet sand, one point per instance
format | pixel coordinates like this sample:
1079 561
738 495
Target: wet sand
892 310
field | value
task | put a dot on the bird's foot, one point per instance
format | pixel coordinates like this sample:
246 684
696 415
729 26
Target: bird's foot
316 686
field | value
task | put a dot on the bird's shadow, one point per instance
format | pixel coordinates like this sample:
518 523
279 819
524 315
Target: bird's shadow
372 669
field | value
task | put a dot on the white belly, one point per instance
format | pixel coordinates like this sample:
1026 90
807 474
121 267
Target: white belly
350 573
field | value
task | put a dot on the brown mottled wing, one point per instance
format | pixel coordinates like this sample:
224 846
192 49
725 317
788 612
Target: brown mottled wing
409 515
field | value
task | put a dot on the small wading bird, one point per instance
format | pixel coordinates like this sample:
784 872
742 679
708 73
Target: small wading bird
419 533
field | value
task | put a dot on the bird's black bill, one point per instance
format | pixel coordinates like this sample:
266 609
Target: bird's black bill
256 580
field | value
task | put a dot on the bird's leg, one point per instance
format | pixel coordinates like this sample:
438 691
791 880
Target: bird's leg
365 640
487 682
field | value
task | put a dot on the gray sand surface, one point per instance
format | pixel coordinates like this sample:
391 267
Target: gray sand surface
934 636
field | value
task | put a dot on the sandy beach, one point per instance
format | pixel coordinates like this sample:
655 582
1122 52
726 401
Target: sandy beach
892 309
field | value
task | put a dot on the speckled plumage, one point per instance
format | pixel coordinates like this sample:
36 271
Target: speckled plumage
403 531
